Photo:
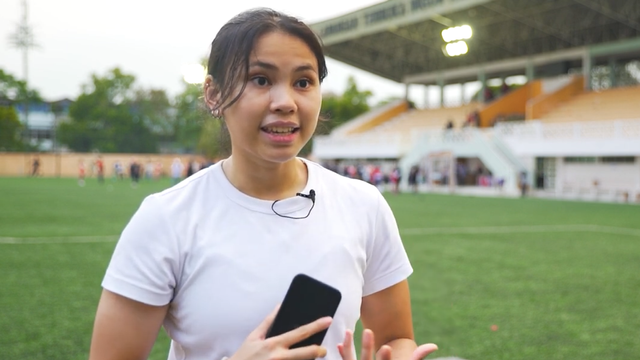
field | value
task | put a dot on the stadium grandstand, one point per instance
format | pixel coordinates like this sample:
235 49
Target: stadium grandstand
549 95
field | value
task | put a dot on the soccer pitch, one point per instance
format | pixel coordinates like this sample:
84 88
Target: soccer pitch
560 280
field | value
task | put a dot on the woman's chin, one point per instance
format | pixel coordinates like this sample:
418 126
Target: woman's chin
281 156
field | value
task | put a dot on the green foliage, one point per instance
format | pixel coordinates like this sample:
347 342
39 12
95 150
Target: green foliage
153 108
10 129
111 116
412 104
190 113
16 90
13 91
214 140
196 130
340 109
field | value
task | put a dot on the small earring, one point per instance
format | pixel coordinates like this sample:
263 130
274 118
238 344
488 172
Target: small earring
216 113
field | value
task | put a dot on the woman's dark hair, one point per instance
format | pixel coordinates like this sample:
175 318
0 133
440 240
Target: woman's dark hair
234 43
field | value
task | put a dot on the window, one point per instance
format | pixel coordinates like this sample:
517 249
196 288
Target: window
580 160
600 160
618 160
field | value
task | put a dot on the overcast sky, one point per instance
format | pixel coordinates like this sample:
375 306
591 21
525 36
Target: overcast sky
151 39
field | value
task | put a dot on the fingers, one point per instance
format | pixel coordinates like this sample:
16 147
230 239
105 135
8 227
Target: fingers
307 352
261 330
303 332
423 351
384 353
368 343
346 348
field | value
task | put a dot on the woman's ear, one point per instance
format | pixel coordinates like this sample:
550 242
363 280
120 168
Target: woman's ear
211 93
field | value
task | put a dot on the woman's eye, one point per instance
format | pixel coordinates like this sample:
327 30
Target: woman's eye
260 81
304 83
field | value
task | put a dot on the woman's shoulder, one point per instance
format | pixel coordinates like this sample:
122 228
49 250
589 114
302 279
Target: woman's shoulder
190 190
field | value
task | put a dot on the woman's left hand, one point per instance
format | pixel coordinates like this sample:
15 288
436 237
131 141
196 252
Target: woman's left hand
368 352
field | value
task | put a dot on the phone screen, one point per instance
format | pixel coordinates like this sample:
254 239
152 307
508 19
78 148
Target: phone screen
307 300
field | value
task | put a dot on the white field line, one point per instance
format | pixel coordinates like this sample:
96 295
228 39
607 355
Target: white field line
58 240
522 229
411 231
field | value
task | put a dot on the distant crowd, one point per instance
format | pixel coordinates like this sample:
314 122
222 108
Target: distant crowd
386 176
137 170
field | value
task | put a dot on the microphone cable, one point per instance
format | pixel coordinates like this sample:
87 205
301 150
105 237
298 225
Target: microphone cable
311 196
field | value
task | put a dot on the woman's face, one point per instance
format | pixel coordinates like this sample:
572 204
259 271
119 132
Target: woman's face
278 111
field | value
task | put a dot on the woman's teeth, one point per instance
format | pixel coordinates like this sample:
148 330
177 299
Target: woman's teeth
279 130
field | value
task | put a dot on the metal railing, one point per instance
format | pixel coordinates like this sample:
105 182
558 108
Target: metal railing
588 130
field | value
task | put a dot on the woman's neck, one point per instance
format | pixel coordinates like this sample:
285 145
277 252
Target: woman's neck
266 181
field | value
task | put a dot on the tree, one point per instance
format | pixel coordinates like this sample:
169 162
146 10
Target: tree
390 99
214 141
619 75
338 109
15 90
195 129
190 115
108 117
10 129
154 109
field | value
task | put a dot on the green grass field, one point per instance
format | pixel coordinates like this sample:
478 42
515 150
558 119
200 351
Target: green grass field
561 280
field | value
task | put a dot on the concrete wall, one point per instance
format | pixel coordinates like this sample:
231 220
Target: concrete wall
623 177
67 164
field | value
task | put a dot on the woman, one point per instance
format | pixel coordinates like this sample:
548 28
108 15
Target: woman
211 257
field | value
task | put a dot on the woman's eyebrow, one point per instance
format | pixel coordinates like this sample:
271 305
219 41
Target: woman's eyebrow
270 66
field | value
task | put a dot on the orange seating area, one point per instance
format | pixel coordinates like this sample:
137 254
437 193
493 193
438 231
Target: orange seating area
613 104
427 119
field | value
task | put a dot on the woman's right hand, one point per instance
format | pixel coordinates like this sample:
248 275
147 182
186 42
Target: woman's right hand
257 347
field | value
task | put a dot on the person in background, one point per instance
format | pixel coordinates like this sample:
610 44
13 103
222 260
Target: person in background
177 169
524 183
100 169
35 167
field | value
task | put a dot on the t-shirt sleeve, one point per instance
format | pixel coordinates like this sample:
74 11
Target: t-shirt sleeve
387 260
145 263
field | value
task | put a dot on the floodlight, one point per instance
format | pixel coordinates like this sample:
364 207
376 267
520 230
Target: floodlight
193 73
457 33
456 49
516 80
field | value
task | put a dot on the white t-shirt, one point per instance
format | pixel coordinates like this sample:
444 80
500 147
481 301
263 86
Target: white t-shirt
224 260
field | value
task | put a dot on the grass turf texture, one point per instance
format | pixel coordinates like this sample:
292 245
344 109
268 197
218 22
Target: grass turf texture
555 292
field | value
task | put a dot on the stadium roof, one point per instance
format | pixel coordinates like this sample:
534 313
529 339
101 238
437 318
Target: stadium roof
401 39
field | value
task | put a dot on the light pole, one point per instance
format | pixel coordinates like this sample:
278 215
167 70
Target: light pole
23 39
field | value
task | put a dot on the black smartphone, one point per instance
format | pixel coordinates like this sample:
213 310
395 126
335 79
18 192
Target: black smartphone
306 301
